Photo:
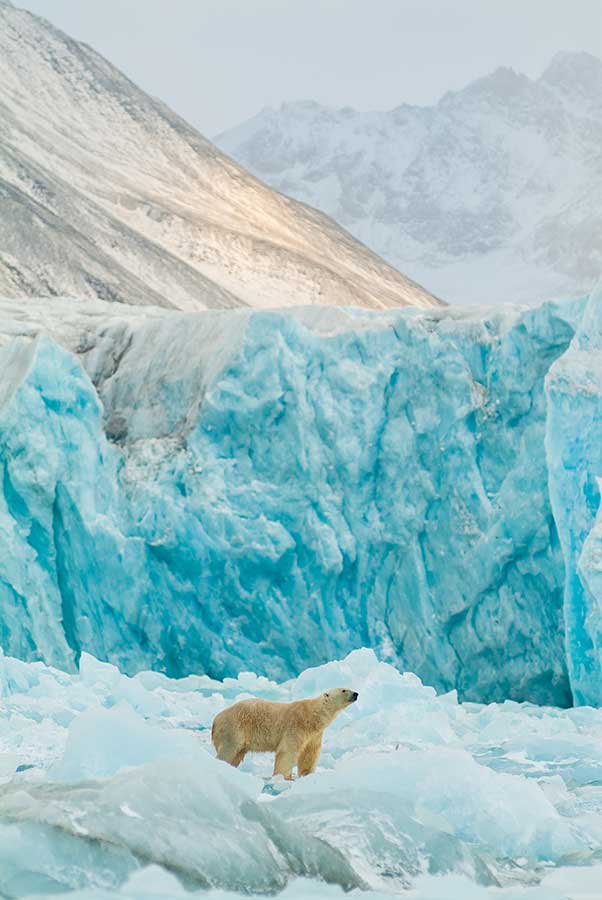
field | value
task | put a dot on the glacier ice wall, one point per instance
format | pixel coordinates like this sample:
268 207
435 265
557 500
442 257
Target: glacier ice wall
574 447
266 491
68 568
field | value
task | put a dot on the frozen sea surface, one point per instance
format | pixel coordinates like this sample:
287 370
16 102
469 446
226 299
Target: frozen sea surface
109 788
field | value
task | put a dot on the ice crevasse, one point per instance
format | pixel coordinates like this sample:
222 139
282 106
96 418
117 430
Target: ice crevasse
265 491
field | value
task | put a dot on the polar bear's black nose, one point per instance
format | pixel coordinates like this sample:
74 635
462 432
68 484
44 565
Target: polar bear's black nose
354 696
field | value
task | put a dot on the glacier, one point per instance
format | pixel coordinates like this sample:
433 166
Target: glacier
265 491
574 449
109 789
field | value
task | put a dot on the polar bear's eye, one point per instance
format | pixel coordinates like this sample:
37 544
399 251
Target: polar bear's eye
327 694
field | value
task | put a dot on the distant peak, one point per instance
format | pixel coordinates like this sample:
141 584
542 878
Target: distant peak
574 67
311 106
502 77
500 85
573 59
504 73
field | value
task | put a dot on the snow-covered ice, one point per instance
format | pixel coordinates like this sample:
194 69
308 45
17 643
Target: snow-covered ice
109 787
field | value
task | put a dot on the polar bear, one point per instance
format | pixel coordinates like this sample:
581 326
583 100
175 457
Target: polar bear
293 731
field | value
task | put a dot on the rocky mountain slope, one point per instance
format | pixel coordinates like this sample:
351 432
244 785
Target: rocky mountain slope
494 194
105 193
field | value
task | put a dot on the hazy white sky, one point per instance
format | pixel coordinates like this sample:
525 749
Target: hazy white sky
217 62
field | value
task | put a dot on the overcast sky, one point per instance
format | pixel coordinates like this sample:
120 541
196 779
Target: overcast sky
218 62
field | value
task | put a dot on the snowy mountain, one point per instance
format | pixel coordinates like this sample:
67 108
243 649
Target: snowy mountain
494 194
106 193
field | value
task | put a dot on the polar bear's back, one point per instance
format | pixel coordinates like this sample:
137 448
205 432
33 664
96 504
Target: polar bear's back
260 725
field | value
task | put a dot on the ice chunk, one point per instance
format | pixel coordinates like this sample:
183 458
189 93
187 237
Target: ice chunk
40 859
200 819
102 742
434 806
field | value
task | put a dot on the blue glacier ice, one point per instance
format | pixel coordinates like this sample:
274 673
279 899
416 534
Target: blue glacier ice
267 491
574 448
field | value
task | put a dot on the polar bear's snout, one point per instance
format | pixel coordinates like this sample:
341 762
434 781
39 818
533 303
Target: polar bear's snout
340 697
347 695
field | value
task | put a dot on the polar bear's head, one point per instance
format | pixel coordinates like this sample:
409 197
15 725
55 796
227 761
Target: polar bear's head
338 698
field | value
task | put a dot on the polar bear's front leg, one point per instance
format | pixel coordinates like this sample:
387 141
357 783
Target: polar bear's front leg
230 753
308 759
286 757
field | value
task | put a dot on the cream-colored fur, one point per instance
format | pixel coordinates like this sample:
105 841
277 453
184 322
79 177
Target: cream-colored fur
293 731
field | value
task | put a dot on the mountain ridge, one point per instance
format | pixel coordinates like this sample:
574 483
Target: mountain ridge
492 194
